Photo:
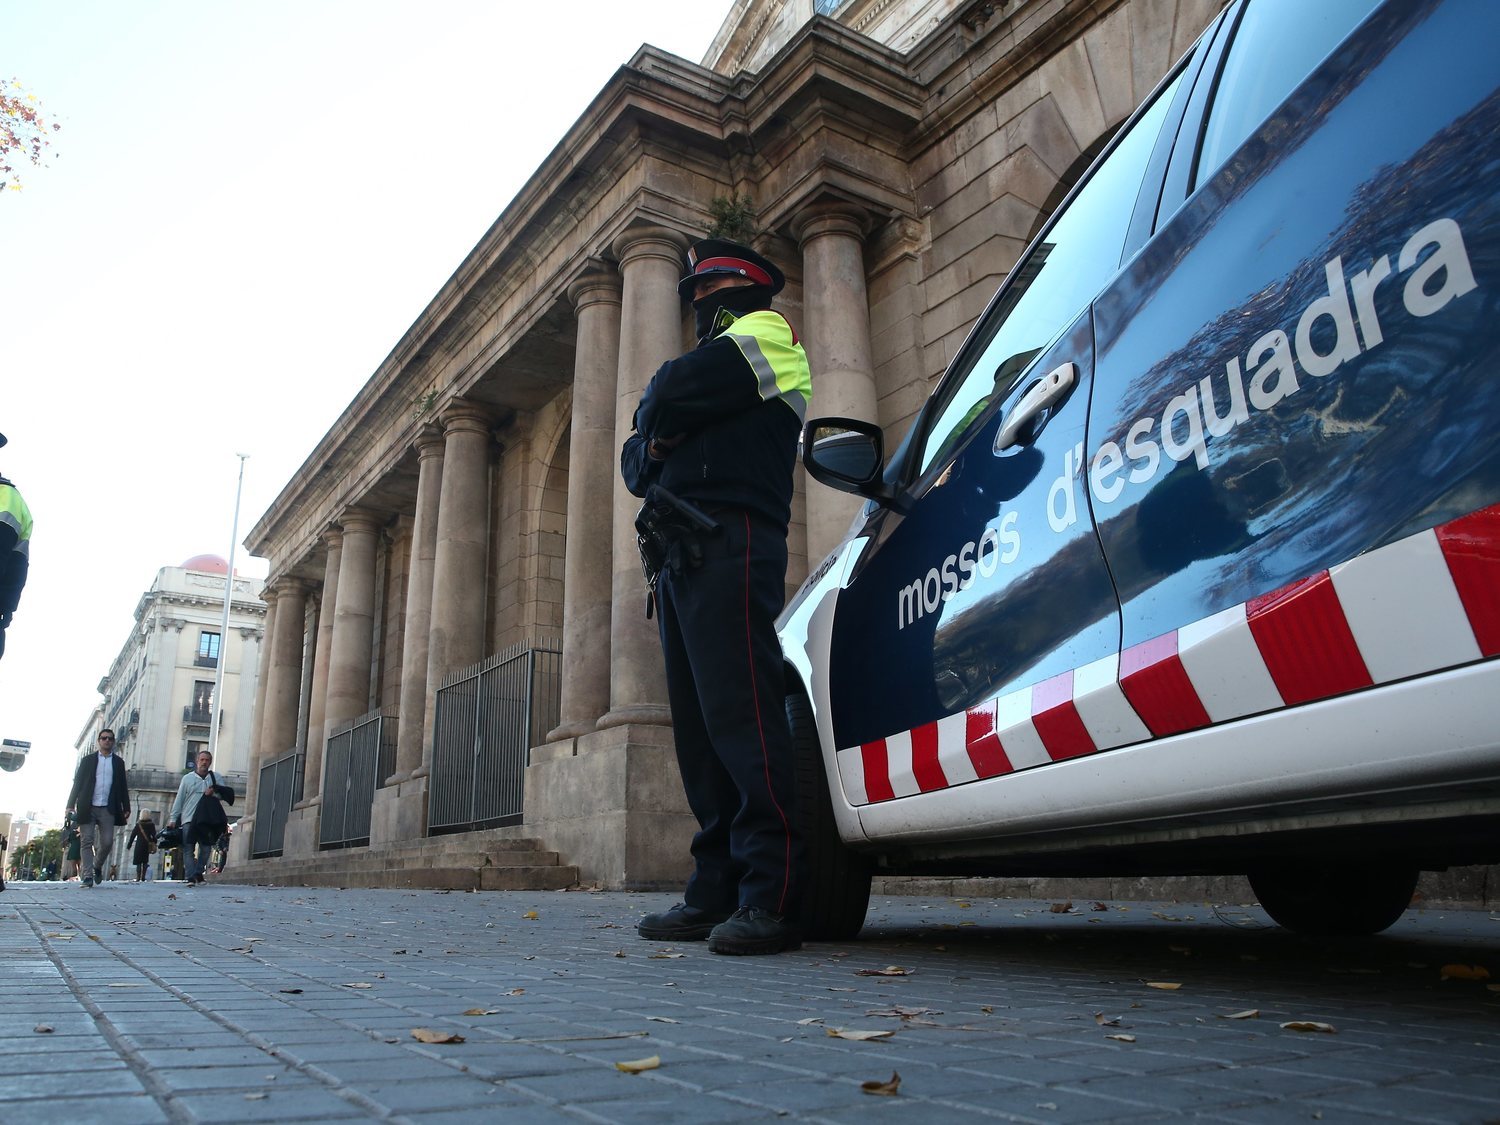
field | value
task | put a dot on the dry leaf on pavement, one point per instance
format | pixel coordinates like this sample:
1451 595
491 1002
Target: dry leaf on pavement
531 915
810 1020
1464 972
482 1012
666 956
1106 1021
1309 1025
43 1029
1247 1014
1168 985
1122 1038
901 1013
847 1033
515 992
359 984
661 1019
888 971
635 1066
428 1035
289 991
1061 908
882 1089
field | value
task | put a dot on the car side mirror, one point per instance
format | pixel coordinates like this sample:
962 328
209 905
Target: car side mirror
846 454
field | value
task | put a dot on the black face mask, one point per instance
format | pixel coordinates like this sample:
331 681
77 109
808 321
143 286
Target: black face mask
741 300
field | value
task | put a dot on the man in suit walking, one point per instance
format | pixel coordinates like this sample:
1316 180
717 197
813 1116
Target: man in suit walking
99 801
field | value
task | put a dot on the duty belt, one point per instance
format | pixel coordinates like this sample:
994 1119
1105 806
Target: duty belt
670 533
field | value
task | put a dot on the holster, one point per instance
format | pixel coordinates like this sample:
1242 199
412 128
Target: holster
670 535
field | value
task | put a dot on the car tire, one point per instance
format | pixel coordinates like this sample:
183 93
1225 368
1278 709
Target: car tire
836 879
1339 900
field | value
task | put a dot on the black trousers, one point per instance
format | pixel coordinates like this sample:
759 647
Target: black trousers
726 688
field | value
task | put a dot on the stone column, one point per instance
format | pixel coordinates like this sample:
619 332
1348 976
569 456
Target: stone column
652 260
593 469
317 701
456 638
257 723
836 333
283 691
353 621
418 622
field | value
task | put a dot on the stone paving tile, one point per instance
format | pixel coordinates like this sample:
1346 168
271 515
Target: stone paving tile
117 1109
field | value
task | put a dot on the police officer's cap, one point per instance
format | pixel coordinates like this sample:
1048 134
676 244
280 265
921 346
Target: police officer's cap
711 257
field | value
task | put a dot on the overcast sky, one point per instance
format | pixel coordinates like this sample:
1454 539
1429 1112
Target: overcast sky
247 206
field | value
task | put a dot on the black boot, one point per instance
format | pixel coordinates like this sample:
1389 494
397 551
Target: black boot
681 923
751 931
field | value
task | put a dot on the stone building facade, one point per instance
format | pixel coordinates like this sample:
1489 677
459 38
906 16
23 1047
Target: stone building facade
158 691
900 155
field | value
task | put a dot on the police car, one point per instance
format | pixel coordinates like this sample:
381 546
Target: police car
1191 562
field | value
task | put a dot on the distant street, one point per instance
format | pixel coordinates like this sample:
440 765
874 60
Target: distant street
152 1002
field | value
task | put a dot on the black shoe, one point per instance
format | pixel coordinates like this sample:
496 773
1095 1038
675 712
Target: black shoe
681 923
751 931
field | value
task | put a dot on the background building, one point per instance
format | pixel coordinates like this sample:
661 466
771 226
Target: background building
158 690
462 521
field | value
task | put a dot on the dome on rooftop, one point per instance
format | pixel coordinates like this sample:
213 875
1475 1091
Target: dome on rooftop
207 564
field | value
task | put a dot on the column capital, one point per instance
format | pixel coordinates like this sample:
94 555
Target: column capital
831 217
360 519
465 417
287 586
332 537
429 443
596 284
635 243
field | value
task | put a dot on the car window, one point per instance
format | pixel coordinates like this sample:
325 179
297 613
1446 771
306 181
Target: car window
1276 46
1048 288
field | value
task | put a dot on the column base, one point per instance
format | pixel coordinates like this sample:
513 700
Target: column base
645 714
399 813
240 840
611 804
301 838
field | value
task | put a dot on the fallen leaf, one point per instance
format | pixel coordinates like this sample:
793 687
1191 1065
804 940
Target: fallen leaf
516 992
888 971
428 1035
832 988
1106 1021
1247 1014
359 984
1464 972
255 1097
43 1029
810 1020
531 915
635 1066
241 949
171 896
619 953
987 1009
482 1012
1309 1025
290 991
661 1019
1122 1038
1098 906
900 1013
666 956
1060 908
884 1089
1168 985
845 1033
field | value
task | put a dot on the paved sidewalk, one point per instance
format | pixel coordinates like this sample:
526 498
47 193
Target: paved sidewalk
229 1004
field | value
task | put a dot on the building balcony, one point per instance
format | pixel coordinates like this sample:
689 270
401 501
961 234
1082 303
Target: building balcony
199 717
201 661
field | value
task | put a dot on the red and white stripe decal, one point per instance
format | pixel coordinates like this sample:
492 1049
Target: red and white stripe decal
1424 603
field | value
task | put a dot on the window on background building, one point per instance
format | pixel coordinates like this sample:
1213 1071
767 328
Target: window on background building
192 753
208 648
203 696
827 7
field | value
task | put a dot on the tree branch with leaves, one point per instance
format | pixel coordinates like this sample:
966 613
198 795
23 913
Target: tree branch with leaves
24 133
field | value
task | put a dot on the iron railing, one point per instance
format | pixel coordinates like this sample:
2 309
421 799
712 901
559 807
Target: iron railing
487 718
280 787
361 755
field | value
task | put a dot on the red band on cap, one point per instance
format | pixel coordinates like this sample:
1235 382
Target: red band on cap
749 269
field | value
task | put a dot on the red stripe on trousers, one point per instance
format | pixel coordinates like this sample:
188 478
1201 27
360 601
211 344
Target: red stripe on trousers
924 759
1306 642
983 744
1057 720
1471 546
877 771
1157 686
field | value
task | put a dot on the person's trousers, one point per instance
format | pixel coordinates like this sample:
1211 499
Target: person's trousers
196 850
96 842
726 687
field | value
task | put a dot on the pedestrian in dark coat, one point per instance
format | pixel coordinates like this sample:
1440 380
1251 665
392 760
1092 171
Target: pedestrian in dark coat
100 802
142 843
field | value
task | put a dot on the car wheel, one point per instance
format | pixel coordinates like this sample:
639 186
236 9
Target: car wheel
1334 900
836 879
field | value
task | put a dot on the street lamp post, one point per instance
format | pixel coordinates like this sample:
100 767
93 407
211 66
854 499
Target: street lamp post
215 710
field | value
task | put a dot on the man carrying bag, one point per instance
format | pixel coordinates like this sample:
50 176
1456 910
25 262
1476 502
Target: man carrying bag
199 808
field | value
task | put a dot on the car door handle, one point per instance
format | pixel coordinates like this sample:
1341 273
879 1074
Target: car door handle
1051 389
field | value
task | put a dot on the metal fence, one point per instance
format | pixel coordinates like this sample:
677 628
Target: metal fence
279 788
487 719
361 755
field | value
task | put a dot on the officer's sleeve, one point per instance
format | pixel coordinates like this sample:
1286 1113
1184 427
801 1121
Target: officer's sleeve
637 468
707 384
14 567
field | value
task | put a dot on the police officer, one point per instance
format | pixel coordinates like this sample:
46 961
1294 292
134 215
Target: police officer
15 551
718 428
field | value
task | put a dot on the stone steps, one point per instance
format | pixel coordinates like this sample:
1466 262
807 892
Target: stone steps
478 861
